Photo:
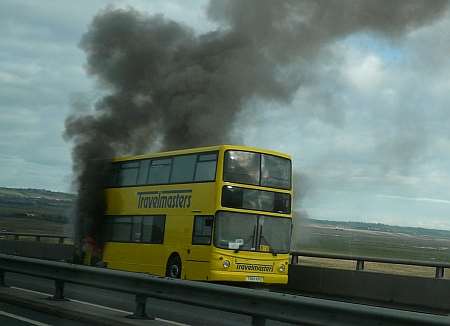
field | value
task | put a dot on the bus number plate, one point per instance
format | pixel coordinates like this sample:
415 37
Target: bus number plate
255 279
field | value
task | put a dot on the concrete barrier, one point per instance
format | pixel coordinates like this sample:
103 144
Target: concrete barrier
396 289
36 249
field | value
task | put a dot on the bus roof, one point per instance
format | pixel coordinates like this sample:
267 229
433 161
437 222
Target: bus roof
202 149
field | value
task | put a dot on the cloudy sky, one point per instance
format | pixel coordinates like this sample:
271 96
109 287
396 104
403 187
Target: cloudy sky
370 135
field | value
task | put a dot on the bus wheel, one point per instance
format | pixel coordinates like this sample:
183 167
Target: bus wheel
173 268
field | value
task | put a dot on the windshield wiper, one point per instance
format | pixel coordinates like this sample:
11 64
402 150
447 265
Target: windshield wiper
274 252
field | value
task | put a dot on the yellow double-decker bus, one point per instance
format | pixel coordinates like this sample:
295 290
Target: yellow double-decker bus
220 213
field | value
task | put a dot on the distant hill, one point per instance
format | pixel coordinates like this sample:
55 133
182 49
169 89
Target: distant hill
36 204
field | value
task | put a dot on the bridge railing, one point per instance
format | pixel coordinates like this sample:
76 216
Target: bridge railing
360 260
36 236
258 304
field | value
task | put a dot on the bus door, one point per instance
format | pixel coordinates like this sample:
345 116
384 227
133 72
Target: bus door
200 249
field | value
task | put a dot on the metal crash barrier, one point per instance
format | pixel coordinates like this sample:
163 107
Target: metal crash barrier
260 305
37 245
35 236
439 266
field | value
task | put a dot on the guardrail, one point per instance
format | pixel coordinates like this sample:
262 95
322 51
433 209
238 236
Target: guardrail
258 304
36 236
440 266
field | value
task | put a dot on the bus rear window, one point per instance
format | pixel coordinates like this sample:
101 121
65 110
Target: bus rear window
257 169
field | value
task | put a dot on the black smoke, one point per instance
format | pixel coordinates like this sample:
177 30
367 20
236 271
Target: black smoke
170 88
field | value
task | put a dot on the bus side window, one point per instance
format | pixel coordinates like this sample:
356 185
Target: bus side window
121 229
128 173
143 172
153 228
113 175
183 168
206 167
202 232
108 229
136 233
160 171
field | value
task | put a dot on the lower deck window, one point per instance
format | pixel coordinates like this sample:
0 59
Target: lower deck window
137 229
202 232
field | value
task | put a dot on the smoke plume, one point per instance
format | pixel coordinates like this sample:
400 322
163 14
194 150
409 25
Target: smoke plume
170 88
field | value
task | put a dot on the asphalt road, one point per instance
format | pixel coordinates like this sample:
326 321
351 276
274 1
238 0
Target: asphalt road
11 315
165 310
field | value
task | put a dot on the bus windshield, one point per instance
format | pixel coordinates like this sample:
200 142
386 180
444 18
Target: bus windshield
257 169
252 232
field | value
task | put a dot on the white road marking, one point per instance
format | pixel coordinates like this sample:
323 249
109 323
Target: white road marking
100 306
27 320
171 322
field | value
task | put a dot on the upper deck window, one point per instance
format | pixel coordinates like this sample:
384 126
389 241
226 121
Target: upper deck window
183 168
275 172
128 173
143 172
206 167
160 171
257 169
187 168
242 167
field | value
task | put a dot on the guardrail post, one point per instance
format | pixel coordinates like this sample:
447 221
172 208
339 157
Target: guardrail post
439 272
140 311
294 260
258 321
59 291
38 238
61 240
16 237
359 265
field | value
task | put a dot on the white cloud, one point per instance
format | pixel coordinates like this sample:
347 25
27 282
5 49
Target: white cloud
417 199
366 73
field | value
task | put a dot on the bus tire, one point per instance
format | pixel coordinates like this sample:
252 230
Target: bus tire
173 268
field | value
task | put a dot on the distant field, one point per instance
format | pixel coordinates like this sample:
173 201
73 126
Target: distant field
371 243
34 194
33 225
329 239
35 211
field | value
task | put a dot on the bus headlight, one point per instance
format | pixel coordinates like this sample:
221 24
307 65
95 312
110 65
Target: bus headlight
282 268
226 263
